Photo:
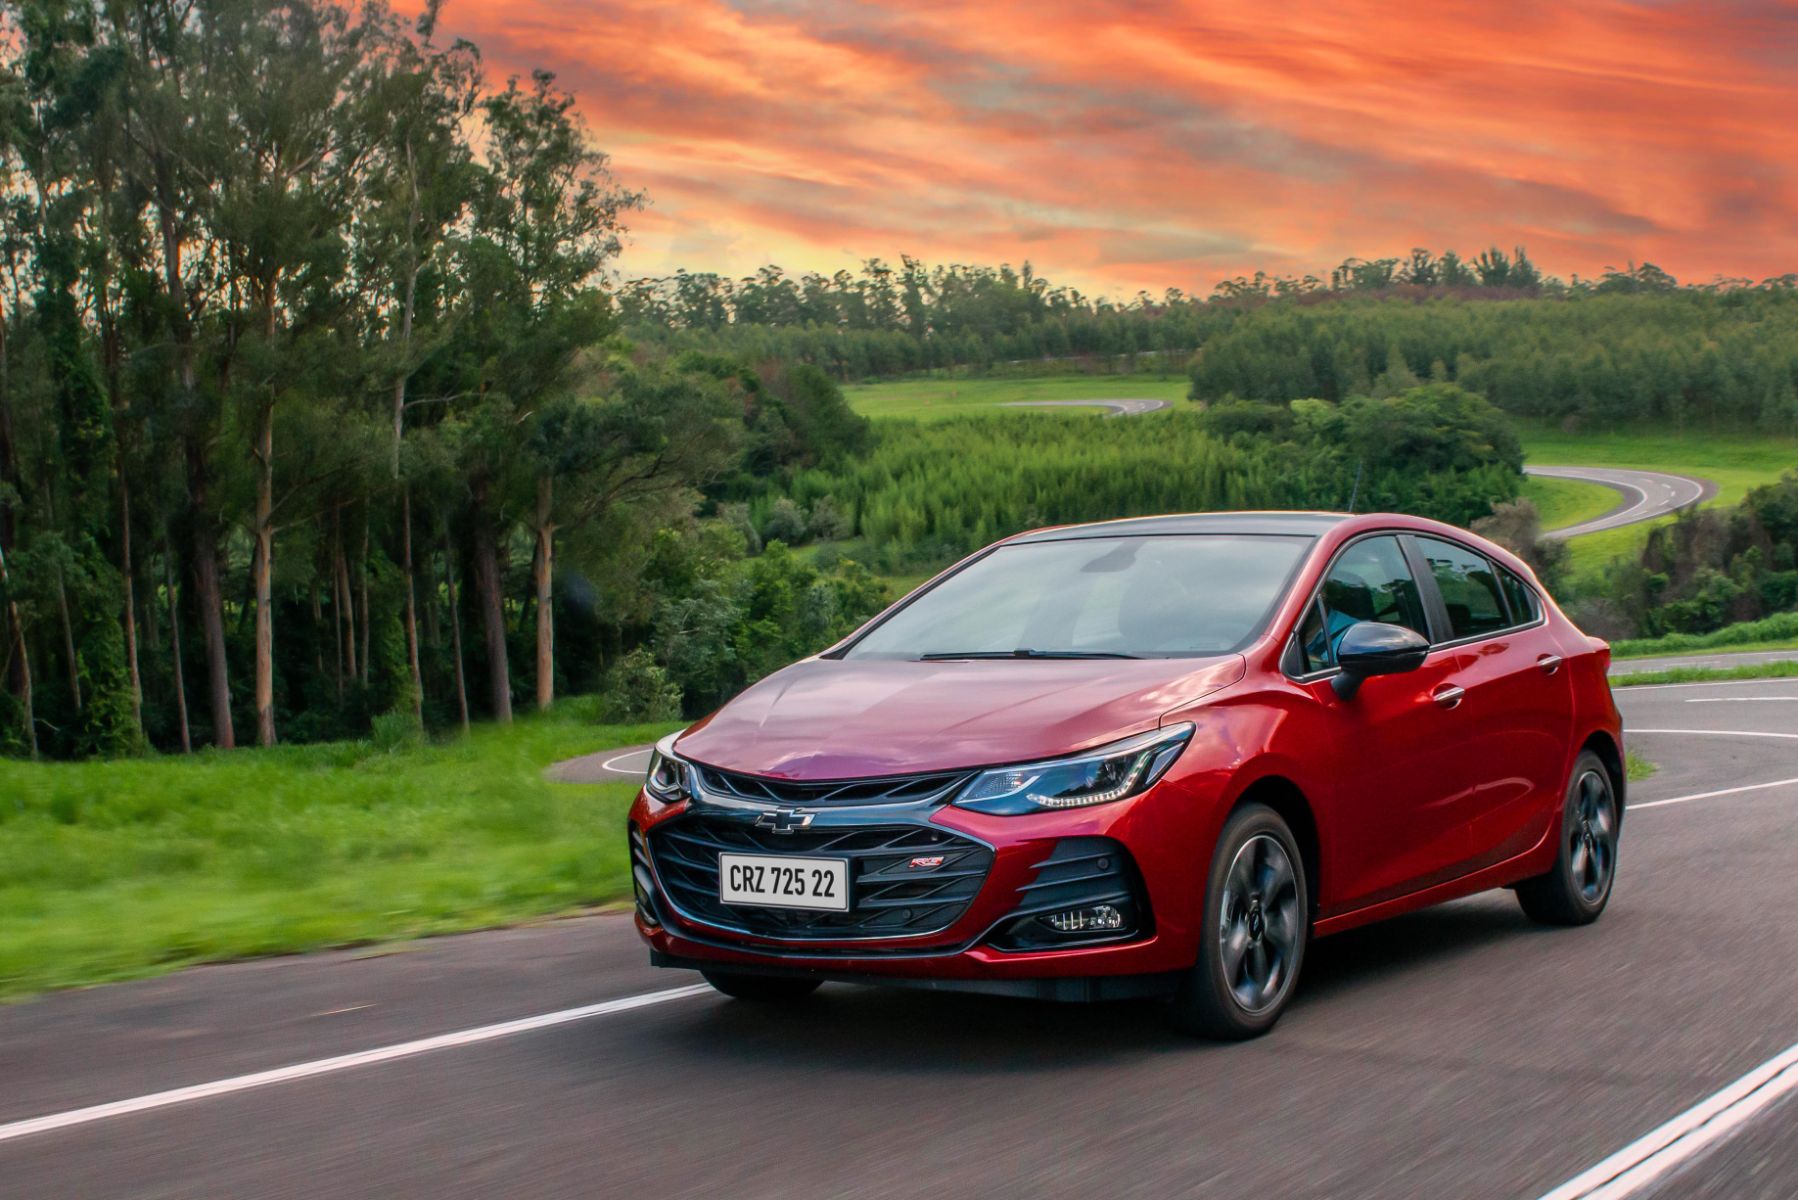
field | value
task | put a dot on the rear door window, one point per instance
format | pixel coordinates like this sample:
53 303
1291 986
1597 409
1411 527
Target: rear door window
1469 587
1525 608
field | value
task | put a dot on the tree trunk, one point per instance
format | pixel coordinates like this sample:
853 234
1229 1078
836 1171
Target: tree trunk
24 659
212 629
545 577
205 564
492 605
262 572
418 681
168 574
129 573
367 617
68 640
337 600
449 578
347 608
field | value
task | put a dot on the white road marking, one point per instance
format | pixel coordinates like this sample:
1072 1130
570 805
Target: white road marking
1747 787
343 1062
1715 732
1694 1131
1631 688
611 764
1738 699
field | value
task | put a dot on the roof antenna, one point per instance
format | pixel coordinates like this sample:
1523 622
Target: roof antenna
1356 494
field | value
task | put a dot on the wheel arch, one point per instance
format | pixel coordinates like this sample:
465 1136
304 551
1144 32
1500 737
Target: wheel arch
1288 799
1601 743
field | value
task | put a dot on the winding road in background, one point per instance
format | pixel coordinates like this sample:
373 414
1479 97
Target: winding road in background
1459 1051
1115 408
1643 495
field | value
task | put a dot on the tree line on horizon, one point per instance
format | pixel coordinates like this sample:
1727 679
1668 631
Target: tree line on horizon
883 320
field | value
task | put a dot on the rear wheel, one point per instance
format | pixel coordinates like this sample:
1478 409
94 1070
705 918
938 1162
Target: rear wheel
1575 890
1253 939
761 988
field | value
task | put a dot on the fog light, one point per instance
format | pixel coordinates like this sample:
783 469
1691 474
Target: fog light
1101 918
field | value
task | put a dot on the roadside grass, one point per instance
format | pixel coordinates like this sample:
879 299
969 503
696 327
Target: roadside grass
1737 461
1777 632
1564 502
1636 768
935 398
114 870
1769 670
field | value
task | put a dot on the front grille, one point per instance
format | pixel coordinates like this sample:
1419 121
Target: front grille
898 789
887 896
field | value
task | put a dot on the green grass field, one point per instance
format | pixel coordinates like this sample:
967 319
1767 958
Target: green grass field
1777 632
1564 502
930 399
112 870
1768 670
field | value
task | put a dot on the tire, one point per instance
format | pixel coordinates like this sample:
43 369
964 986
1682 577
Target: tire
762 989
1577 888
1251 948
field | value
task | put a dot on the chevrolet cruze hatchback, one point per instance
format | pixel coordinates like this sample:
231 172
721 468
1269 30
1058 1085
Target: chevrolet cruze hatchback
1150 757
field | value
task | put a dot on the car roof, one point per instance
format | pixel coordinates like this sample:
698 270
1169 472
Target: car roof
1291 524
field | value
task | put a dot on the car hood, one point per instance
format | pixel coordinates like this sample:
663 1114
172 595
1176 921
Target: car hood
849 719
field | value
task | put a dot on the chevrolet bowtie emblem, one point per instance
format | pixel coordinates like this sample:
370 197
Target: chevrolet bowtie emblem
783 820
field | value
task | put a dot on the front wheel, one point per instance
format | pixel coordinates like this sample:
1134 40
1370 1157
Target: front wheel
1575 890
762 988
1252 943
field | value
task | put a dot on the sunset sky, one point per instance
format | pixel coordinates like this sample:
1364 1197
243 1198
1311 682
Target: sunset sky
1126 145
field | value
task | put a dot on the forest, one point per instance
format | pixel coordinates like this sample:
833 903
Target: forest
326 405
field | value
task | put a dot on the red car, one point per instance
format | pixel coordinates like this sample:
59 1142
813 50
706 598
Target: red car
1148 757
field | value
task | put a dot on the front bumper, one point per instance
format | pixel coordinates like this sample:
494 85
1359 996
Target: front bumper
1029 865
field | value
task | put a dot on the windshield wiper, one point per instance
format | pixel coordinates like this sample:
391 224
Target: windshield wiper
1022 652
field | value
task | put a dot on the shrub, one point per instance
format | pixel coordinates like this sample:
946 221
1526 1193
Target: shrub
638 689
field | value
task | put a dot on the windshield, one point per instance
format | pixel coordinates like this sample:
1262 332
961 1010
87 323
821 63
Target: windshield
1178 595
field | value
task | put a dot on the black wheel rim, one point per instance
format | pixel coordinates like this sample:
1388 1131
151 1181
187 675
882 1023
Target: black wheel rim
1259 924
1592 836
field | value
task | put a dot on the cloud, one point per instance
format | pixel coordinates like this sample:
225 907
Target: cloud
1153 144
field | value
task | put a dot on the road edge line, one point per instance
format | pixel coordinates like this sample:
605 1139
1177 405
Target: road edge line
1686 1136
341 1062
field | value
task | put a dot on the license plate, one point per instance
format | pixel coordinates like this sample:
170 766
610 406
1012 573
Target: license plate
781 882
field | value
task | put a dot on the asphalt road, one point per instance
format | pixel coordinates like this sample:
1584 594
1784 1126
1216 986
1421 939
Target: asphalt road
1119 408
1644 495
1456 1053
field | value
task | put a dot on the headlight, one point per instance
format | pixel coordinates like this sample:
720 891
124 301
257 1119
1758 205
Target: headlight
1108 773
666 779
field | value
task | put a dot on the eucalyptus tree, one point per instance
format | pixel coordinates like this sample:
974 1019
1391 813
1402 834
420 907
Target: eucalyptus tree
416 185
286 77
545 220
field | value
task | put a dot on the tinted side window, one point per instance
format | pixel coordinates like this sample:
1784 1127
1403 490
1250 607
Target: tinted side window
1469 588
1314 650
1370 581
1524 605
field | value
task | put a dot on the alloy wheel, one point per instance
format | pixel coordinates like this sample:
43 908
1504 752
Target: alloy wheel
1259 923
1592 836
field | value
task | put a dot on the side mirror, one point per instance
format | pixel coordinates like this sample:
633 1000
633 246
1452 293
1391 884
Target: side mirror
1369 648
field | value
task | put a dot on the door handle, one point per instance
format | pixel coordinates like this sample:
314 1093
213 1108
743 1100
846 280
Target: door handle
1448 695
1549 663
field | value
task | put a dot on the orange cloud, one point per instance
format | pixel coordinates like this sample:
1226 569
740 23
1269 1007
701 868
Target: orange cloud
1155 144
